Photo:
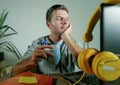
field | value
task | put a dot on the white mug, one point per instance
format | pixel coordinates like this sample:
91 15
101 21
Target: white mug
56 52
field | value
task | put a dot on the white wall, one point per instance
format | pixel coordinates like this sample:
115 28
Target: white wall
27 17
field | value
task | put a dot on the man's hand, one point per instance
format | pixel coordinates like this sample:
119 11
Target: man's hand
40 53
67 31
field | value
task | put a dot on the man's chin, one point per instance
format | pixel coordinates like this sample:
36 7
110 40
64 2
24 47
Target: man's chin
59 36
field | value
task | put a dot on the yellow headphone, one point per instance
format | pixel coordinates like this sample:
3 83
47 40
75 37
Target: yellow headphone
105 64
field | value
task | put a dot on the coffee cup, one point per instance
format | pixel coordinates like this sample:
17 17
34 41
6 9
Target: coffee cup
56 52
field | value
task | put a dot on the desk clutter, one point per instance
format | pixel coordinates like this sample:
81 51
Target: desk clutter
29 78
86 80
62 79
4 71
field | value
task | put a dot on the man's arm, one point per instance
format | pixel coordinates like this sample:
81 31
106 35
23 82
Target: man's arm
23 66
38 55
73 46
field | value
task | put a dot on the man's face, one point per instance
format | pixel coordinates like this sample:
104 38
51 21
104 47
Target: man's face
59 22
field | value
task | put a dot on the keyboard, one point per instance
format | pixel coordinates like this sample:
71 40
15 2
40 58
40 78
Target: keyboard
87 79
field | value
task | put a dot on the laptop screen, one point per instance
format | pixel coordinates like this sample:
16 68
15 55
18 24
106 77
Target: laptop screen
110 28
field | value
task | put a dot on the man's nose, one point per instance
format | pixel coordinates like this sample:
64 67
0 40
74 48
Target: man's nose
64 21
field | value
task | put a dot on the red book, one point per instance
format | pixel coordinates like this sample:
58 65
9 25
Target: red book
41 79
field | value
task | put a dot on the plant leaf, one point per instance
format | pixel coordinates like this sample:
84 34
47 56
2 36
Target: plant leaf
5 29
12 48
3 17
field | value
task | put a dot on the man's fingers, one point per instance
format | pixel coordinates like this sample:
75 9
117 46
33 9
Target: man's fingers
42 55
42 47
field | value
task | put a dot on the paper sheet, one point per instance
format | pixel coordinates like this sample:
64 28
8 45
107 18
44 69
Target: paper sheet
24 79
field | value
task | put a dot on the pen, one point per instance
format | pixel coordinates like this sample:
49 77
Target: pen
44 42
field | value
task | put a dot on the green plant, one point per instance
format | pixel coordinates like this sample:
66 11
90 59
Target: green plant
9 45
5 28
4 32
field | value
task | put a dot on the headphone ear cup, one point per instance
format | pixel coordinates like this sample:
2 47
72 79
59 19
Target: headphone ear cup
85 59
102 59
80 59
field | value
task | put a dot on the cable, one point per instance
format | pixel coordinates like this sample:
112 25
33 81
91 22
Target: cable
78 81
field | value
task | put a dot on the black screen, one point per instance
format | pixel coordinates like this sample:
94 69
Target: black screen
110 28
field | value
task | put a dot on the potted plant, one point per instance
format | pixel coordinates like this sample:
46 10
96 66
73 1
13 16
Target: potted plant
4 33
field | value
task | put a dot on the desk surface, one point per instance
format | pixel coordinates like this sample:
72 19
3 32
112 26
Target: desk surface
42 79
46 80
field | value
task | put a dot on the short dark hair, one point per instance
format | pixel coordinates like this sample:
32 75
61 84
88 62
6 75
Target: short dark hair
53 8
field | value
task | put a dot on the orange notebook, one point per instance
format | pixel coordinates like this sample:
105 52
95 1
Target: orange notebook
28 78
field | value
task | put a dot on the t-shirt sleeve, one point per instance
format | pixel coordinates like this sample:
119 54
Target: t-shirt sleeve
30 49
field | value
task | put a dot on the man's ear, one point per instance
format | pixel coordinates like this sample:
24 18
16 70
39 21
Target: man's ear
48 24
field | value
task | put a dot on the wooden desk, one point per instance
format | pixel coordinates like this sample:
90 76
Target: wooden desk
42 80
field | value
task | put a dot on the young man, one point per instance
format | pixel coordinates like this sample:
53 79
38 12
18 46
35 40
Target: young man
57 20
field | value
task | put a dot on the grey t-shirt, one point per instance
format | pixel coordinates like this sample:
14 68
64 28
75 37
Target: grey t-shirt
66 64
